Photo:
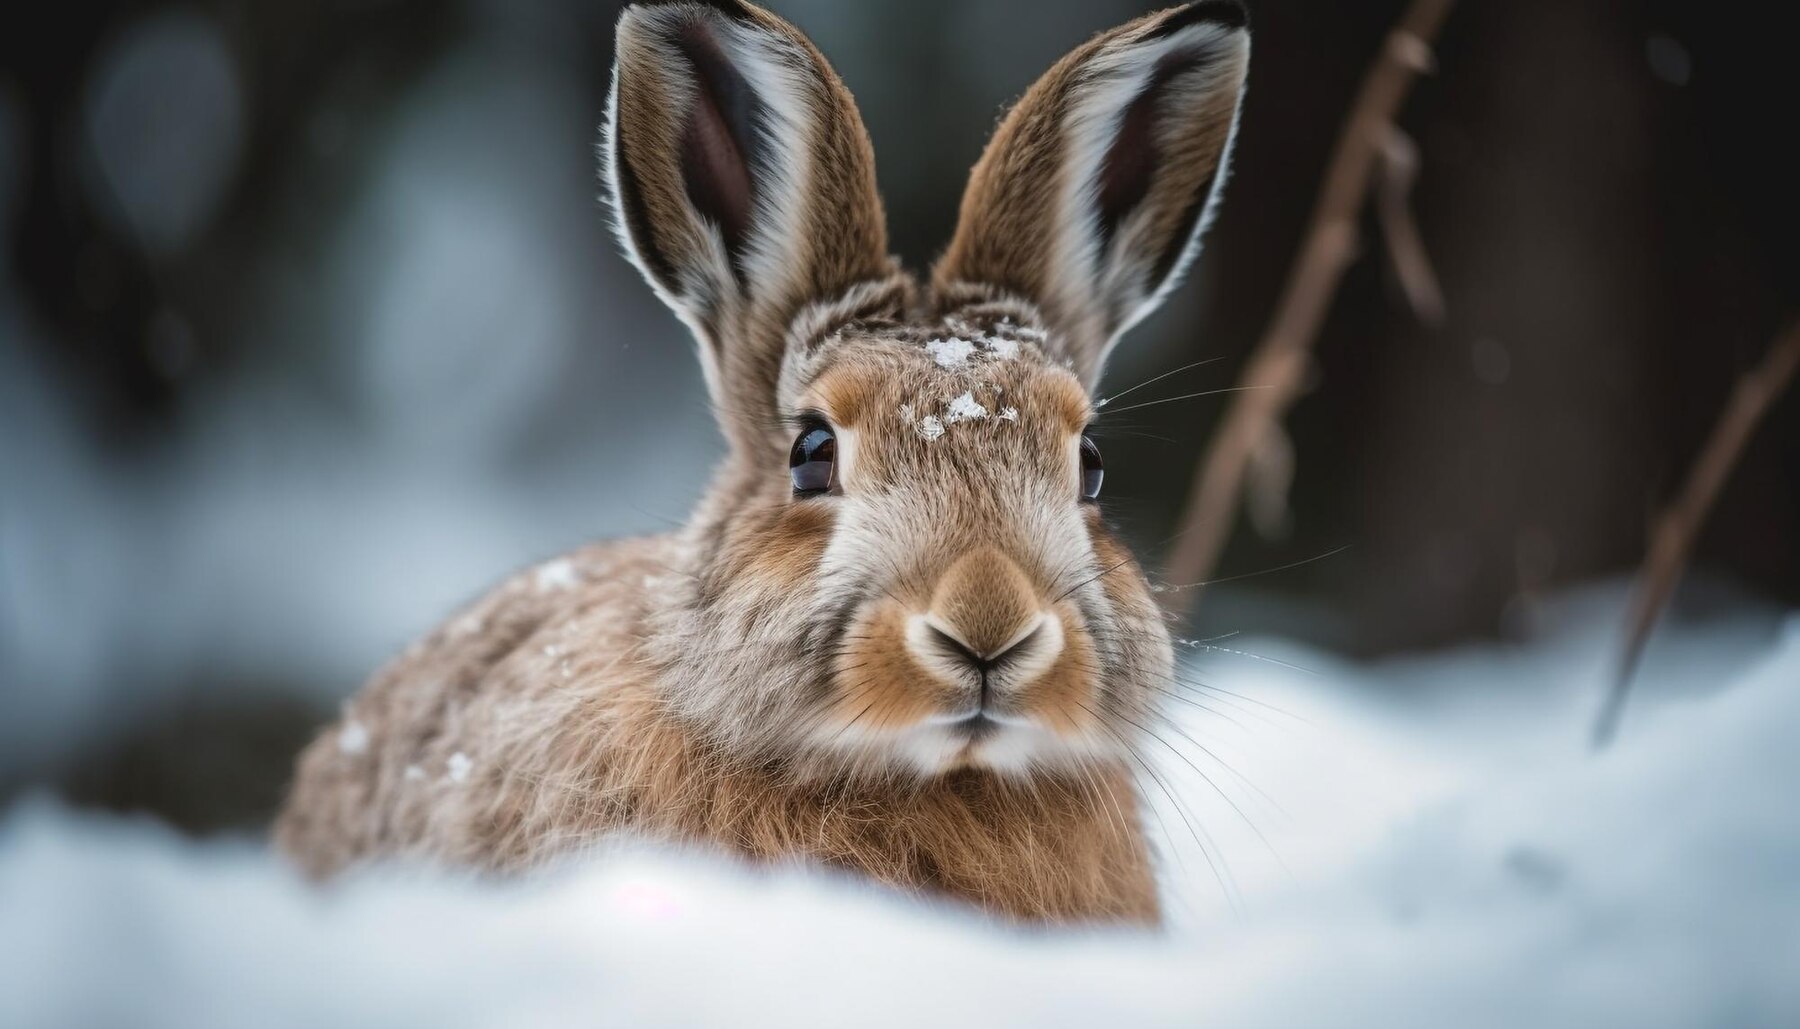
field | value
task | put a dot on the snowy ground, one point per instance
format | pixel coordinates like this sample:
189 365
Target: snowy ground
1440 850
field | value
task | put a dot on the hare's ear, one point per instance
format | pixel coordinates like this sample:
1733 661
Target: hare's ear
1092 196
741 180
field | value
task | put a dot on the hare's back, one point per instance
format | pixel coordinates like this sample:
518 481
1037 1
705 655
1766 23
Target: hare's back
439 745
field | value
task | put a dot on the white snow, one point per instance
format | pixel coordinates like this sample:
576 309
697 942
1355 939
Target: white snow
1009 414
930 427
353 738
1449 855
964 408
952 352
559 574
458 767
1003 348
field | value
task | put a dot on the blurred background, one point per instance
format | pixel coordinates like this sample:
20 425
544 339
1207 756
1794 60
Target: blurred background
311 327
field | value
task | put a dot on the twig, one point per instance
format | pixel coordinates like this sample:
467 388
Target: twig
1406 245
1673 535
1277 367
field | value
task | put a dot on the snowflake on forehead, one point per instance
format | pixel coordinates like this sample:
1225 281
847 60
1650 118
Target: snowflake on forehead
965 409
950 352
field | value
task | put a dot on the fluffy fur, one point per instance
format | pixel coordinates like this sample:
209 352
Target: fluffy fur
933 674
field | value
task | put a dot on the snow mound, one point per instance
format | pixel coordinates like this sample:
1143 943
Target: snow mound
1419 843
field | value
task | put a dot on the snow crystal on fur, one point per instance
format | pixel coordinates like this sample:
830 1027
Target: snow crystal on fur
353 738
952 352
556 575
964 409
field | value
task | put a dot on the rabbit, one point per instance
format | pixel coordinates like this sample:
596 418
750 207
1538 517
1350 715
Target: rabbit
913 651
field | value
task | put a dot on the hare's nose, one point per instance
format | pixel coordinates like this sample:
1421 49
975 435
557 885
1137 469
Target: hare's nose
985 604
987 632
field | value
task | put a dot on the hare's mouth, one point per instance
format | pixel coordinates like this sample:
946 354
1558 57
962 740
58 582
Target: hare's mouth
980 741
914 692
976 727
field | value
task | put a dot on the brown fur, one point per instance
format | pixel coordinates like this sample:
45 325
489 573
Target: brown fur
789 676
566 747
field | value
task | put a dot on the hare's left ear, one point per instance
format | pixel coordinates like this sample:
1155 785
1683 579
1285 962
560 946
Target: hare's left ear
743 186
1091 198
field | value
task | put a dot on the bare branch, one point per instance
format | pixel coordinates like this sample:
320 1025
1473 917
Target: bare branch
1267 480
1672 537
1277 367
1406 245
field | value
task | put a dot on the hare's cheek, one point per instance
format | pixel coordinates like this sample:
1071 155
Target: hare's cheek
1064 699
786 549
877 685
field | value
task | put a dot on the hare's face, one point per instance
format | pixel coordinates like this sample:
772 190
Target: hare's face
903 566
969 607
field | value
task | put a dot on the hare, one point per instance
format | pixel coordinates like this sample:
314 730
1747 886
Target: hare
913 649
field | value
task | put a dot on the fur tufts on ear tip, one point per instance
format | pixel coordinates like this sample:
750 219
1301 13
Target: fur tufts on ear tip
1230 13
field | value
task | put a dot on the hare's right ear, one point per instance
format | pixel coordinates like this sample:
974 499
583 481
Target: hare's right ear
1090 200
742 182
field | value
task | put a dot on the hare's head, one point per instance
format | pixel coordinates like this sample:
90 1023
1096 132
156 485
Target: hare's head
903 566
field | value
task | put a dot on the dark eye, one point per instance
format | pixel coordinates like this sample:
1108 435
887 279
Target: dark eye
812 461
1093 470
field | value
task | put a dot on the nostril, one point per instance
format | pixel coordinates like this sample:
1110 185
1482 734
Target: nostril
943 648
958 647
992 659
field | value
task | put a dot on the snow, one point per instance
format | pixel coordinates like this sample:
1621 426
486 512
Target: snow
951 352
930 427
559 574
353 738
1445 852
458 767
1009 414
964 408
955 351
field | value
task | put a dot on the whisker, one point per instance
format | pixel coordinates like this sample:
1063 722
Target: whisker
1226 797
1100 575
1186 396
1213 711
1103 401
1196 684
1204 644
1251 575
1201 839
1239 776
1198 645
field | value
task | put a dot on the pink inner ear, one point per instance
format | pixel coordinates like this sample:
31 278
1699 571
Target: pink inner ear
719 134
